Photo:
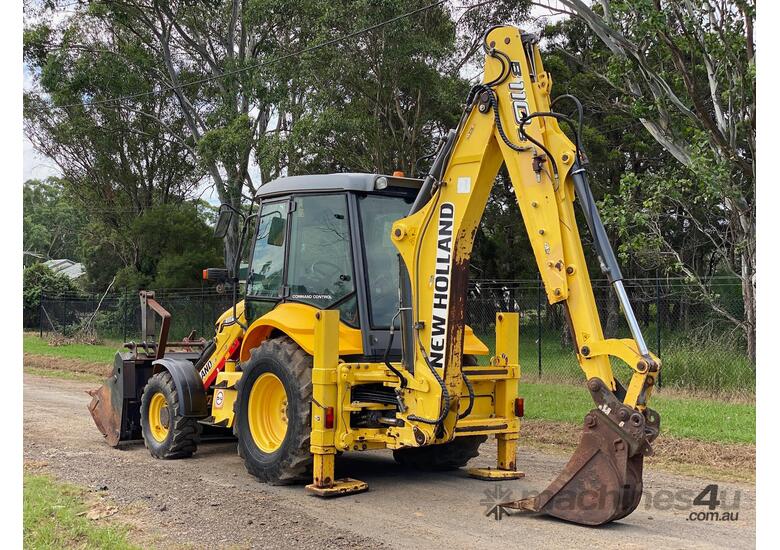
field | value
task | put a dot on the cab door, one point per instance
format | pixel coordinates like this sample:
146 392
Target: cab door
320 268
265 278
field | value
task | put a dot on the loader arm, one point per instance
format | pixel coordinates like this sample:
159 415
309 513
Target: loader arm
508 120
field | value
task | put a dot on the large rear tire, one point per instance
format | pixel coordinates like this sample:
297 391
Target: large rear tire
166 433
447 456
273 412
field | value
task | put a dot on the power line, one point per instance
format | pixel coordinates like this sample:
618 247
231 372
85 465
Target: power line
257 65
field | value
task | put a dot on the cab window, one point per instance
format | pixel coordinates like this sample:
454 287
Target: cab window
378 214
267 269
320 264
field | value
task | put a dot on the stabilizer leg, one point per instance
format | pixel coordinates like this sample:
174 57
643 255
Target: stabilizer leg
325 392
506 459
507 353
324 483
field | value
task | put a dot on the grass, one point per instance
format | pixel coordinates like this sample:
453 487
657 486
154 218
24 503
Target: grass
714 367
100 353
55 517
702 419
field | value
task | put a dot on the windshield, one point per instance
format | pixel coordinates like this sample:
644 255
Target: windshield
377 215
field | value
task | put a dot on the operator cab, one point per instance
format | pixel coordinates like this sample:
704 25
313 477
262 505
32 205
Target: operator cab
324 240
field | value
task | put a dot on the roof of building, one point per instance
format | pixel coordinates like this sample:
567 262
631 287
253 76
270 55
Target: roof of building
331 182
69 268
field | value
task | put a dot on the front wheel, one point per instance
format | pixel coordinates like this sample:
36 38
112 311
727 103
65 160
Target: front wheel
166 433
273 412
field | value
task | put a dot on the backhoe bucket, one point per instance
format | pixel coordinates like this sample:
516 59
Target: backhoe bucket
602 481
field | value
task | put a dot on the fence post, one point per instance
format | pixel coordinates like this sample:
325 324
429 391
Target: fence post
539 324
658 321
40 312
122 298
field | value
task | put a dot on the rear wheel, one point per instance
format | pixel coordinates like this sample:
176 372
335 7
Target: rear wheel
273 412
166 433
447 456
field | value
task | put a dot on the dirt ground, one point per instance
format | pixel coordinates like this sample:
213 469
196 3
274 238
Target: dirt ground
210 500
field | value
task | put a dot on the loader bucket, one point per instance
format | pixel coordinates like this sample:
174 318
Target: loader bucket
116 405
106 409
602 481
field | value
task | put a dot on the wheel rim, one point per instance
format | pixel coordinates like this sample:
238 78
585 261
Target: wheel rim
159 417
267 412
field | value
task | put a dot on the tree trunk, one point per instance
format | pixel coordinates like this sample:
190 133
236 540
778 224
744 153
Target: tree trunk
749 302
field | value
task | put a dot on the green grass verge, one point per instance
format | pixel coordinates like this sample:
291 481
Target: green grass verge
702 419
54 518
101 353
64 374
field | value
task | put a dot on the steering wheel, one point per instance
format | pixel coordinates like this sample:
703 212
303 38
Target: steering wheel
317 269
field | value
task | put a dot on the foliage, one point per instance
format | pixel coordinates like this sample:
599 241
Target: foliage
118 158
38 279
54 517
686 71
52 223
374 103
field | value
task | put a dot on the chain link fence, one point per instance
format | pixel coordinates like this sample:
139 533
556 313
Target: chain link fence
698 348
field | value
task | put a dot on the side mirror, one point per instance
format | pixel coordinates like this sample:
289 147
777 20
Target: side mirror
223 221
276 231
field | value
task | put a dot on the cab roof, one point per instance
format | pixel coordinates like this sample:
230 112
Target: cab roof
331 182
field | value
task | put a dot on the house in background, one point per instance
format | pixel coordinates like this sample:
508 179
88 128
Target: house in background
69 268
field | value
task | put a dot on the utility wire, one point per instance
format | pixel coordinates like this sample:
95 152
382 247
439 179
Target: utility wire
260 64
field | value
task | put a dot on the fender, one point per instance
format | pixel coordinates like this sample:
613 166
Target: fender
297 321
189 386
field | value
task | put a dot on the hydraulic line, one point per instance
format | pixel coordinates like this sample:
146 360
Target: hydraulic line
470 389
445 395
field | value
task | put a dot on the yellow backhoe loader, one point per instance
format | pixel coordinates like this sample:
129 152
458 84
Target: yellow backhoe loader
351 334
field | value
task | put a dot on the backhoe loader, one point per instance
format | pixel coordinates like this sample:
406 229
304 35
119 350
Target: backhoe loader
351 333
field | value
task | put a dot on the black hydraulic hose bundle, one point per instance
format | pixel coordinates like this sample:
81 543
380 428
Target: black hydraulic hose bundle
470 389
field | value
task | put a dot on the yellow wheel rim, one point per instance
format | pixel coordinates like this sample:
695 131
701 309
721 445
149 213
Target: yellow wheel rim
159 418
267 412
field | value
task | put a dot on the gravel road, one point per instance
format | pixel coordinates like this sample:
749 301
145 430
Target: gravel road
210 499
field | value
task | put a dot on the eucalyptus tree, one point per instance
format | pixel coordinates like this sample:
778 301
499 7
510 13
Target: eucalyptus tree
686 70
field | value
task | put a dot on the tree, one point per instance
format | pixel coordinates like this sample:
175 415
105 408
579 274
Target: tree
686 71
52 224
167 246
373 103
36 280
208 56
117 159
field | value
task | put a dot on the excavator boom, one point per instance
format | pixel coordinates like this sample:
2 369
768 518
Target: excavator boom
509 120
